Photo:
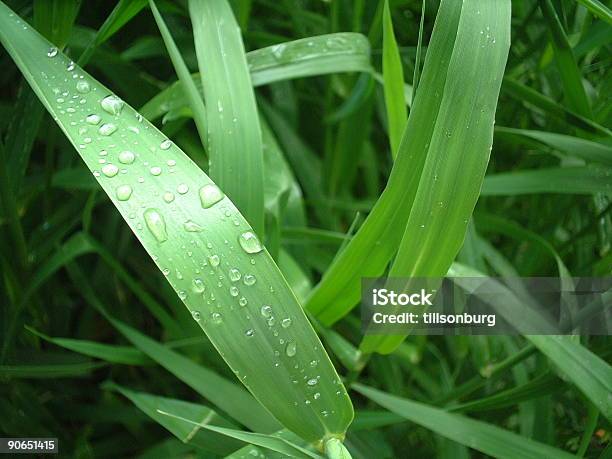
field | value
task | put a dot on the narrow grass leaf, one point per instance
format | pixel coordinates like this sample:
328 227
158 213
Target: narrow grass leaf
393 75
234 135
189 227
477 435
598 9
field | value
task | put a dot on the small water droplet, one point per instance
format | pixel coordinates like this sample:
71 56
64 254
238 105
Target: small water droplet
110 170
291 349
234 275
112 104
249 279
107 129
210 195
214 260
93 119
70 67
250 332
182 188
266 311
171 163
192 226
126 157
286 323
123 192
156 224
243 301
216 318
198 285
169 197
166 271
182 294
312 382
316 395
52 52
83 87
196 316
249 242
155 170
234 291
166 144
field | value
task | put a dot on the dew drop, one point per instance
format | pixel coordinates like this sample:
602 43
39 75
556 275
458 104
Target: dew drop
93 119
210 195
123 192
214 260
182 188
171 163
70 67
169 197
234 275
234 291
107 129
126 157
156 224
166 144
155 170
52 52
312 382
286 323
83 87
190 225
266 311
249 242
291 349
250 332
182 294
216 318
110 170
243 301
196 316
112 104
249 279
198 285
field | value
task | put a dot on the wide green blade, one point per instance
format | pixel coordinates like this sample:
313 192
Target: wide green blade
196 236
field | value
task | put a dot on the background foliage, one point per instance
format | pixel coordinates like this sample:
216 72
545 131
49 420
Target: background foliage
93 336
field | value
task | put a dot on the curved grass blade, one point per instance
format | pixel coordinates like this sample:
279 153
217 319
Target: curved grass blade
349 52
598 9
393 86
478 435
234 136
370 250
195 235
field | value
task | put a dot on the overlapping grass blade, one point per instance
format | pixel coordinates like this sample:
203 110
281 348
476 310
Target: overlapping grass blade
234 136
393 75
478 435
196 236
598 9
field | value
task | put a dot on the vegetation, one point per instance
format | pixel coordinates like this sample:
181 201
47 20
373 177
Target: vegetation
243 165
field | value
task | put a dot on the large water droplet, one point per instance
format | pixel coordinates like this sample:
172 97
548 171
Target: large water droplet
112 104
93 119
210 195
249 279
52 52
266 311
126 157
107 129
156 224
110 170
83 87
291 349
249 242
192 227
123 192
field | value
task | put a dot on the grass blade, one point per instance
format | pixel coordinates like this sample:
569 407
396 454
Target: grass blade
234 145
172 206
598 9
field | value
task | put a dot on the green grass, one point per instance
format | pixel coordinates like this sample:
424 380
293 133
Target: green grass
192 191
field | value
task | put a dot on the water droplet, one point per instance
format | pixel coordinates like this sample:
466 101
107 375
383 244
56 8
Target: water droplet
191 226
266 311
110 170
123 192
243 301
171 163
216 318
210 195
198 285
271 321
166 271
250 332
249 242
291 349
249 279
234 291
126 157
156 224
195 315
52 52
93 119
169 197
166 144
155 170
112 104
182 188
83 87
107 129
286 323
182 294
316 395
214 260
234 275
312 382
70 67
